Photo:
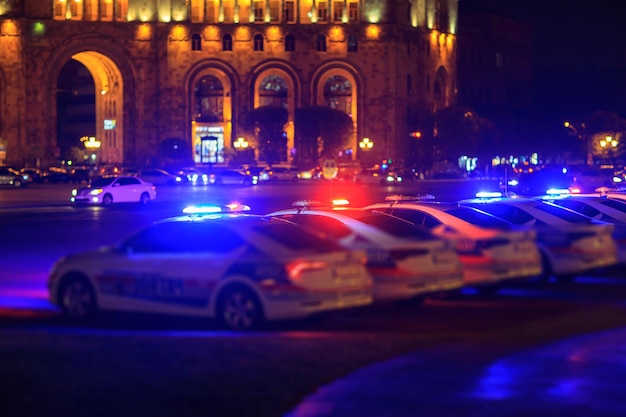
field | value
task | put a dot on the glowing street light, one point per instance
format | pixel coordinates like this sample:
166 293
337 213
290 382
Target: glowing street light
241 143
366 144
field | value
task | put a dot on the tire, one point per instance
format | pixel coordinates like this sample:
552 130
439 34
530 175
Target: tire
18 184
144 199
77 298
238 308
107 200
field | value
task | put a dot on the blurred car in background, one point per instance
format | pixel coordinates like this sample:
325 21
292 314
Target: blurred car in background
55 175
12 177
240 269
112 189
232 177
406 262
194 175
159 176
279 173
79 175
34 174
571 243
376 176
492 251
538 182
588 179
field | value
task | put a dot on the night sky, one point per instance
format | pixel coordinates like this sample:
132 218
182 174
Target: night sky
579 53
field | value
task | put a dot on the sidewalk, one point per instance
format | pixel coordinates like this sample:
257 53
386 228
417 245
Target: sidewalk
582 376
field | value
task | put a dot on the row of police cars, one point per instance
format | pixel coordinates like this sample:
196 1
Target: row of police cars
245 269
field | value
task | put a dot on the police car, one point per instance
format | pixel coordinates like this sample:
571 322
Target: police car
405 262
570 242
598 207
237 268
491 250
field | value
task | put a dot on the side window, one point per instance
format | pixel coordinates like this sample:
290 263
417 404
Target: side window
321 43
179 237
258 43
413 216
290 43
227 42
196 42
353 45
324 224
128 181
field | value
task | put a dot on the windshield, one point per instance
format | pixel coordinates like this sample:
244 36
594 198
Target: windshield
102 182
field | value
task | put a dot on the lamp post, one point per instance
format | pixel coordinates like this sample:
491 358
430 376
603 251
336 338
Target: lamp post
608 144
366 145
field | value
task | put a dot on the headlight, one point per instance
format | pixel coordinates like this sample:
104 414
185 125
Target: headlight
74 192
96 191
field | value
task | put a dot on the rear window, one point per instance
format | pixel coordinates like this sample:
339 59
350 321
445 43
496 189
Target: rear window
396 227
563 213
479 218
296 237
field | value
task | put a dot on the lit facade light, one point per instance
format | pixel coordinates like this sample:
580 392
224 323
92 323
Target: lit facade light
241 143
366 144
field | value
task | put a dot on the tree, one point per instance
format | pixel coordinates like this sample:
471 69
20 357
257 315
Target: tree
321 132
267 125
175 150
461 131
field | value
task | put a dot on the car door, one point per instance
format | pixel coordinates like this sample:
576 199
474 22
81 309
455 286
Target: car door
175 267
127 189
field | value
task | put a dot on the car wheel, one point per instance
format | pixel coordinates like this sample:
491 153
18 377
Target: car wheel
17 183
144 199
77 298
238 308
107 200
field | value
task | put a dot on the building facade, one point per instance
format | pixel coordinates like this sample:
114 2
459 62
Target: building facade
189 69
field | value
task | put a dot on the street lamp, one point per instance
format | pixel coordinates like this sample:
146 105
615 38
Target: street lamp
609 143
366 144
241 143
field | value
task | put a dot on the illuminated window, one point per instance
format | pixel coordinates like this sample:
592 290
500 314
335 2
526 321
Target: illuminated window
290 14
258 43
227 42
59 9
228 14
259 12
337 11
338 94
321 43
353 45
209 100
196 42
353 11
290 43
211 15
106 10
322 12
274 11
441 15
121 11
273 91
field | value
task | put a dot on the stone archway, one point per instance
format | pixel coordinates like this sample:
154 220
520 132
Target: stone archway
109 96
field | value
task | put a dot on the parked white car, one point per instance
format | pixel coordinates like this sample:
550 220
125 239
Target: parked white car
490 249
239 269
570 242
405 262
114 189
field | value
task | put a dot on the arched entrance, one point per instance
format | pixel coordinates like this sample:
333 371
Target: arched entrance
103 142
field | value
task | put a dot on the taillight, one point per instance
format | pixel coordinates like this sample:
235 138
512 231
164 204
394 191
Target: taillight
295 269
465 245
490 243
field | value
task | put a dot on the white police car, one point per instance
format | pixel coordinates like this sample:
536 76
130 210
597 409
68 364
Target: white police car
405 262
570 242
240 269
491 250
